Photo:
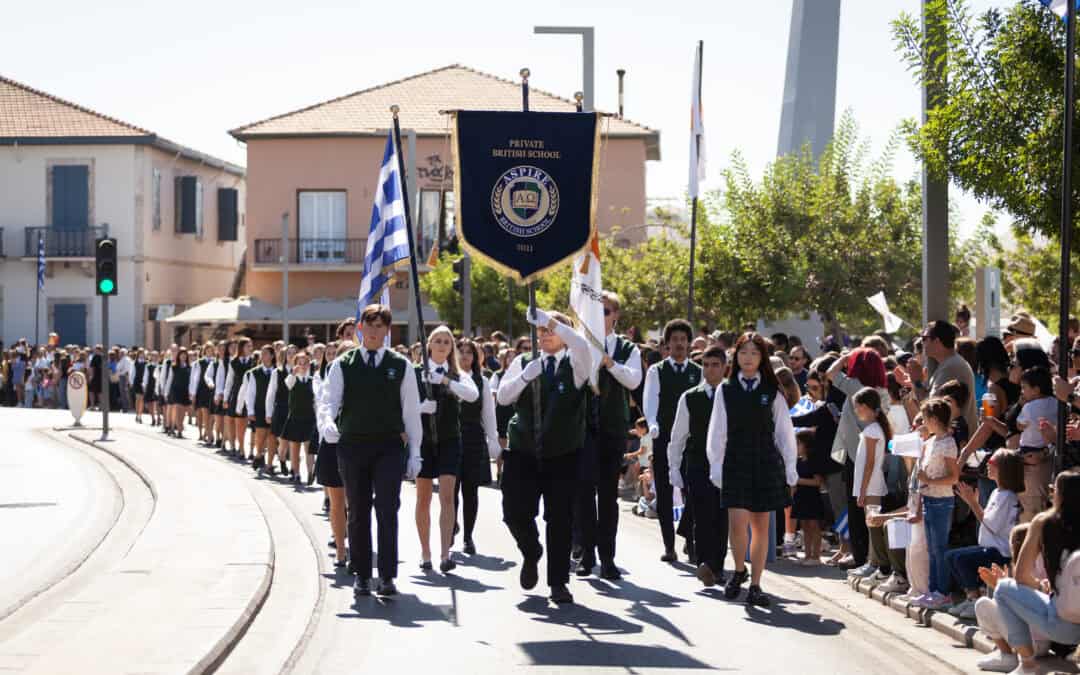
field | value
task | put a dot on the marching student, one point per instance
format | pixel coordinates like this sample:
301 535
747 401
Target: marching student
164 395
221 395
665 382
258 384
479 439
597 509
215 381
687 447
179 388
150 387
204 395
752 459
277 404
550 471
326 465
441 449
300 412
136 384
374 392
239 363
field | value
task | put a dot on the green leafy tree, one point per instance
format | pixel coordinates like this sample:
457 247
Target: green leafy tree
490 298
998 127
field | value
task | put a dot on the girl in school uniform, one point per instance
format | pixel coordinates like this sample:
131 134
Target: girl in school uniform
150 388
178 386
326 467
215 380
239 362
277 404
752 459
479 439
137 372
300 419
204 395
440 406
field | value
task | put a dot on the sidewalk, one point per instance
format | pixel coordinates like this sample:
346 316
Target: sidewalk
183 593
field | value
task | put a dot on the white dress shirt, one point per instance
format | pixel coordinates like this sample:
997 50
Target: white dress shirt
680 430
627 374
146 377
196 375
463 387
783 437
487 417
271 394
210 376
410 401
513 383
652 393
220 375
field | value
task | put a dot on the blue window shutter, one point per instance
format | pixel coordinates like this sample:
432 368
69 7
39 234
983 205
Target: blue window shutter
71 197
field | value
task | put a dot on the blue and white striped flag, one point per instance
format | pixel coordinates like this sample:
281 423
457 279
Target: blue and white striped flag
840 527
388 241
40 262
1058 7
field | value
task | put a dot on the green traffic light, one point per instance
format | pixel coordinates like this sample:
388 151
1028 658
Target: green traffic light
106 285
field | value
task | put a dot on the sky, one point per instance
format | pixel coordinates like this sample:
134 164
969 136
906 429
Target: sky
191 71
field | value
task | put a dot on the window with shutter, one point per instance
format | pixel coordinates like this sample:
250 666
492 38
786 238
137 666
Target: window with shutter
227 214
188 209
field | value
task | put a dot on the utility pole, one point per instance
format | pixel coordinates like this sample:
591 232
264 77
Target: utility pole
935 191
588 52
285 277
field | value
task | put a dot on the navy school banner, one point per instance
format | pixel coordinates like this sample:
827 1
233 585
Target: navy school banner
526 185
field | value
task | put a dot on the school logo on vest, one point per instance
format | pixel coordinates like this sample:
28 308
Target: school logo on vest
391 374
692 378
764 399
525 201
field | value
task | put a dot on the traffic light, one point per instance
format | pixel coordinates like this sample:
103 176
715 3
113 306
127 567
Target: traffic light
459 275
105 263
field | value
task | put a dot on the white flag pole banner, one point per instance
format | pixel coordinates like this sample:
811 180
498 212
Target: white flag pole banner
587 304
1043 335
881 306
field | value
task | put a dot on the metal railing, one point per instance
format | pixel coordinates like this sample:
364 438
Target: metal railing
312 251
63 243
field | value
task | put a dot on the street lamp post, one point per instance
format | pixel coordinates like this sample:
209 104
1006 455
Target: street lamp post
588 51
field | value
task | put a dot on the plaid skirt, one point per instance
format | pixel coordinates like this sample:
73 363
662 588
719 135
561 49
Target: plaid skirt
755 479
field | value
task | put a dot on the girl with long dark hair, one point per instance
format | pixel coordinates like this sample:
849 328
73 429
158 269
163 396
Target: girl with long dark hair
752 459
479 439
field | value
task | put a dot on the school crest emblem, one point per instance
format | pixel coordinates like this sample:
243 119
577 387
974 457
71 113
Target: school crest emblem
525 201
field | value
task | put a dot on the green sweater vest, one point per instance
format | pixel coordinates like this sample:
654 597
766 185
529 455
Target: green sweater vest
262 385
473 413
700 406
448 414
615 398
302 400
563 408
672 386
371 400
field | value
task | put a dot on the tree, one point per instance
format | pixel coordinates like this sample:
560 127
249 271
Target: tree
997 130
490 298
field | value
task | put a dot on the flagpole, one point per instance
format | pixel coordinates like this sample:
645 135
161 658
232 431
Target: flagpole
413 267
1066 220
538 430
694 203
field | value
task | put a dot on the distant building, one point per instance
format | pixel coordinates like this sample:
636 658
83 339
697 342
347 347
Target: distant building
319 166
68 174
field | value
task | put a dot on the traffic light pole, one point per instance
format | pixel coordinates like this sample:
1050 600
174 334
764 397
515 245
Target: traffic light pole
105 379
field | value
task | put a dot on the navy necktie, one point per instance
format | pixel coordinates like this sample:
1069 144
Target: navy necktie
440 370
678 368
371 358
549 369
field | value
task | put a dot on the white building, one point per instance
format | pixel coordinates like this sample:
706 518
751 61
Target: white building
69 175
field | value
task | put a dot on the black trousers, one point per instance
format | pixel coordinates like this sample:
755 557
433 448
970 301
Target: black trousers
856 519
525 481
596 515
710 520
372 475
468 494
663 491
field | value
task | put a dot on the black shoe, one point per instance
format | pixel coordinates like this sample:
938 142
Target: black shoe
734 584
560 595
340 563
426 566
470 548
705 575
529 574
584 568
609 571
361 588
332 543
284 469
576 553
386 587
669 556
326 504
447 565
755 596
311 478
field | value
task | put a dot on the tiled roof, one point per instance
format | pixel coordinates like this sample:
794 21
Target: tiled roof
26 112
421 97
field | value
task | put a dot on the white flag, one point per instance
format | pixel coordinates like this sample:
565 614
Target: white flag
697 129
588 306
1043 335
881 305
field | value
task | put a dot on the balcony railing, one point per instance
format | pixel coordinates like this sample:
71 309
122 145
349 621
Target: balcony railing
63 243
311 251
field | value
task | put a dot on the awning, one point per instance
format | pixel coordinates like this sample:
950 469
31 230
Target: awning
330 310
244 309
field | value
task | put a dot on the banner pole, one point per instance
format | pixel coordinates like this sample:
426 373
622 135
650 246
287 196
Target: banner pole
414 270
1066 221
537 411
693 247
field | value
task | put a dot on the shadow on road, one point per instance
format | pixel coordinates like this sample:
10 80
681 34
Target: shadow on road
588 621
777 616
643 600
452 581
591 653
485 562
402 611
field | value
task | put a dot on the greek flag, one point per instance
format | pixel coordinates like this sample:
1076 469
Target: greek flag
41 262
388 241
1058 7
841 526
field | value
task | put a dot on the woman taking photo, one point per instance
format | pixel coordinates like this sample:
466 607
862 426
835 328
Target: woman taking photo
441 409
479 439
752 459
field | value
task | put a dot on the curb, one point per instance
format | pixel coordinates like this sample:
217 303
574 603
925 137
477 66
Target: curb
966 634
221 649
